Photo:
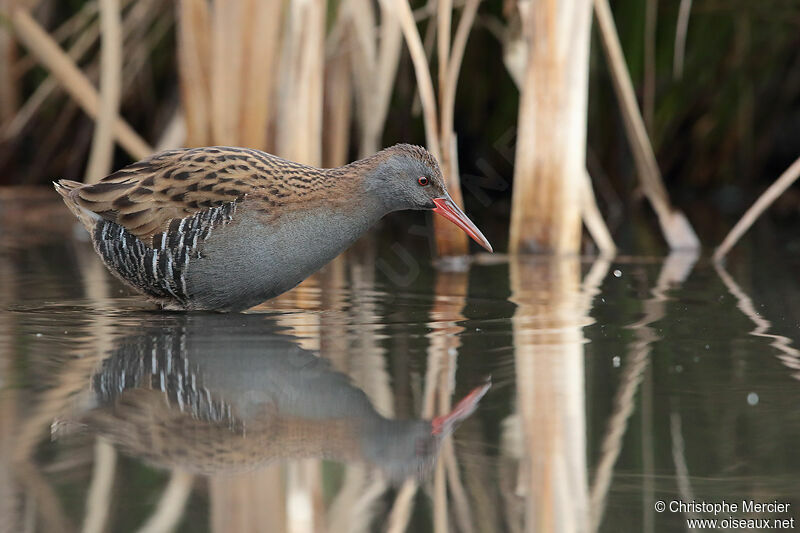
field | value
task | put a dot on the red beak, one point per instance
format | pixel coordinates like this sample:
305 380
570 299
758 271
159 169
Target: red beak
441 425
449 210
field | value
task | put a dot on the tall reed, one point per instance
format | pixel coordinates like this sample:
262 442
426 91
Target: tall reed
551 140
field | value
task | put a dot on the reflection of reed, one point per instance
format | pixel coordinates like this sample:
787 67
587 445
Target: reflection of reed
790 356
355 503
10 509
450 296
548 351
676 268
98 500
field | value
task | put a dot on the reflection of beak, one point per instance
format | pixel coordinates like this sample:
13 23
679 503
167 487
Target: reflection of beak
449 210
442 425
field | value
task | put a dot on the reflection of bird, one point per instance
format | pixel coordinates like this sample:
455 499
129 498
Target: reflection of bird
227 228
191 394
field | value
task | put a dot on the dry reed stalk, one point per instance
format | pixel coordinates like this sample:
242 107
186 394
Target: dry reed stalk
594 219
402 11
171 504
375 70
74 81
515 58
449 239
83 43
227 22
262 38
98 500
785 180
102 151
337 104
140 55
31 106
194 28
649 82
439 127
676 228
551 140
78 24
444 17
299 132
358 17
681 29
9 90
174 134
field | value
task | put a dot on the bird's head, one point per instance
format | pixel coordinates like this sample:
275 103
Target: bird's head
405 176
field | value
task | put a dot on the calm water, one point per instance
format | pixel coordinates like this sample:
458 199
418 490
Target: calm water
614 386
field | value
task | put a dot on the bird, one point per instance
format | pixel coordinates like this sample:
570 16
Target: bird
225 228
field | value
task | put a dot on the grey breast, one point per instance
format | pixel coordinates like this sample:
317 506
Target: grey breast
250 260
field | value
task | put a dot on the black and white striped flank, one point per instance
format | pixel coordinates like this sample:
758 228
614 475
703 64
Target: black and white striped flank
159 270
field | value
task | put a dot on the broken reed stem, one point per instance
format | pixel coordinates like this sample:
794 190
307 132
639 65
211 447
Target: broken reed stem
676 229
102 151
785 180
594 220
40 44
449 240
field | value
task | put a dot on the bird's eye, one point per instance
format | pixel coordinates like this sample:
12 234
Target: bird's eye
423 181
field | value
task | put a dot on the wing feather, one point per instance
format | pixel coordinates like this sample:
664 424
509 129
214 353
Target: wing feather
146 196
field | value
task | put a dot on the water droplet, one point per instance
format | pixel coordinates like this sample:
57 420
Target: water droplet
38 334
603 300
752 398
618 273
615 361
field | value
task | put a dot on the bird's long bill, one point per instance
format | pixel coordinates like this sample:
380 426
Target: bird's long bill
449 210
441 425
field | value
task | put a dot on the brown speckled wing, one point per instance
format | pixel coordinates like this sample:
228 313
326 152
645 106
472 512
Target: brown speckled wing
145 196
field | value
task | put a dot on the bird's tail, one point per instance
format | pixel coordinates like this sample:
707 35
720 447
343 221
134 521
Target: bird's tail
68 190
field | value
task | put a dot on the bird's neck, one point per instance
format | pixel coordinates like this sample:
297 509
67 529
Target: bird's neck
372 179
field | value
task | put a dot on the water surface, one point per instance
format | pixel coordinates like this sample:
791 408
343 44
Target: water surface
614 386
